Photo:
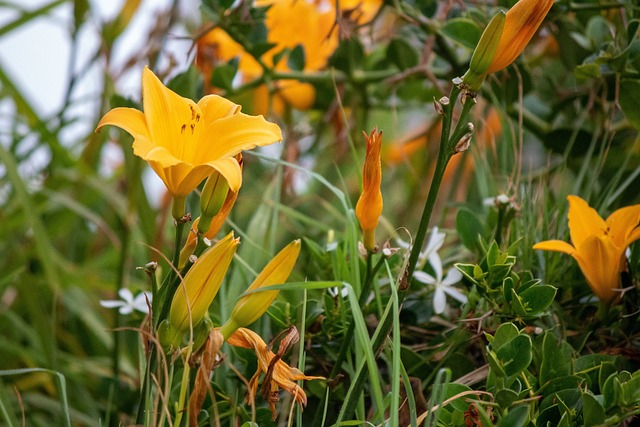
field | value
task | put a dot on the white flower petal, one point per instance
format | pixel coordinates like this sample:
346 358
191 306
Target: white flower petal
436 263
436 240
439 301
140 302
126 309
111 303
453 276
423 277
126 295
455 294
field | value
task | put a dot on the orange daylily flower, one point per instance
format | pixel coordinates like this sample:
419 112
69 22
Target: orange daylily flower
250 307
598 245
523 20
185 142
282 375
369 206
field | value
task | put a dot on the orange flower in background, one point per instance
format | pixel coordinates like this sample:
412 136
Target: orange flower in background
369 206
362 11
289 23
523 20
598 246
282 375
185 142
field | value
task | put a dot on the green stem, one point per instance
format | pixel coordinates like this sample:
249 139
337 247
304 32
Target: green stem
445 152
348 336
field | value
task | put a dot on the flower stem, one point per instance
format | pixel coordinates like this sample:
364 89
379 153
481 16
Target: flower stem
445 152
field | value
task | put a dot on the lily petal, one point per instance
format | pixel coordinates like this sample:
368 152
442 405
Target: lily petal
173 121
555 246
623 225
128 119
216 107
584 221
599 261
233 134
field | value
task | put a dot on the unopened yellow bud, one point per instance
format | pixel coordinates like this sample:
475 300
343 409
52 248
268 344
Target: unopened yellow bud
200 286
484 52
369 206
250 307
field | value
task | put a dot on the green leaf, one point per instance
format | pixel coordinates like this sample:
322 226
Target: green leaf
592 411
224 74
505 333
556 359
462 30
516 354
517 417
587 71
631 390
611 391
537 298
630 101
469 228
505 397
517 305
348 57
402 54
297 58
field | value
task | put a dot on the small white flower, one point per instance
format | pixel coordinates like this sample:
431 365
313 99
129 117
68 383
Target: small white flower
436 240
128 303
443 286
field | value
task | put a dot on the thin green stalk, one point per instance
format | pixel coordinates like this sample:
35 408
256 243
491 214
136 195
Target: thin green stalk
319 417
120 283
446 151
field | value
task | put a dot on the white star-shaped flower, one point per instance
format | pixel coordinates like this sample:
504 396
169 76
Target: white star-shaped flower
128 303
443 286
436 240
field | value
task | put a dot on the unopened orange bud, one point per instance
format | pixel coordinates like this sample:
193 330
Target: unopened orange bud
369 206
522 22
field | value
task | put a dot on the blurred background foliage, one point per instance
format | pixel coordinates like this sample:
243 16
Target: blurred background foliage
564 119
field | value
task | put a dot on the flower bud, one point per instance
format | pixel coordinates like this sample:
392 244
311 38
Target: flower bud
369 206
484 52
250 307
212 198
200 286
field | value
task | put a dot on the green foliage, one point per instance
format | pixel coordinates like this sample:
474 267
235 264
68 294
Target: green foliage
530 346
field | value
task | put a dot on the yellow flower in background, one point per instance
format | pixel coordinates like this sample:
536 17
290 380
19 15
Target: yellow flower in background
369 206
598 246
289 23
200 286
185 142
250 307
279 374
522 22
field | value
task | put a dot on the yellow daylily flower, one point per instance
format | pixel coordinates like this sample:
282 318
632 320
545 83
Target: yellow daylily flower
250 307
200 286
282 375
598 246
522 22
185 142
369 206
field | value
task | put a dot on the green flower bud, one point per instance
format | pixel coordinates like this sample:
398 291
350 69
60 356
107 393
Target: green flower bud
484 52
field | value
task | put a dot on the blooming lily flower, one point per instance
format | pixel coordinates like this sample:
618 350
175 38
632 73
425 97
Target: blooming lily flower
369 206
282 375
250 307
200 286
185 142
598 246
443 286
128 303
